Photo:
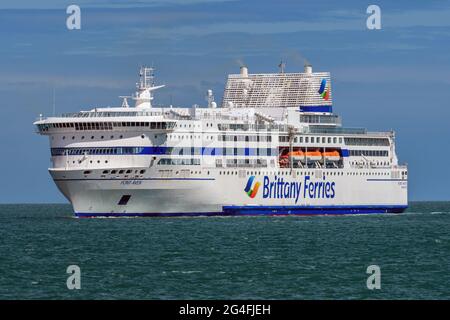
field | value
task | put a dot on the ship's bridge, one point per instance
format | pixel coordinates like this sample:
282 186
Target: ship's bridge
114 119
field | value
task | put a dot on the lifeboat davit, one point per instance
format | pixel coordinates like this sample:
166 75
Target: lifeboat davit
331 156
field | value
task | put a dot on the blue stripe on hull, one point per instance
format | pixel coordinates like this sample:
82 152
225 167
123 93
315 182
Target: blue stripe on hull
264 210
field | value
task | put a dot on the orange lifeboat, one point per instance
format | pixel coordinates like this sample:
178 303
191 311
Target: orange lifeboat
331 155
313 155
297 155
293 153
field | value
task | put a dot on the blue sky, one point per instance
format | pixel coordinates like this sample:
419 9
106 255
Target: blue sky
394 78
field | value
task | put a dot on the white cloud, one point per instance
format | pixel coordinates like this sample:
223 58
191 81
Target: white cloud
57 4
372 74
60 81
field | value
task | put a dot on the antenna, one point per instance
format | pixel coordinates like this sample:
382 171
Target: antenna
282 65
125 101
54 101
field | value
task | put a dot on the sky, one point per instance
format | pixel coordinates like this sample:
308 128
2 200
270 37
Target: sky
397 77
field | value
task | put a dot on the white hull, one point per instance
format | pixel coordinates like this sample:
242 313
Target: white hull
216 193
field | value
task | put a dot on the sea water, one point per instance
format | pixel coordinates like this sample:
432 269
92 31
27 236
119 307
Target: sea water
289 257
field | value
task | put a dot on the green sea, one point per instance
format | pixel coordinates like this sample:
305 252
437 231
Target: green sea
292 257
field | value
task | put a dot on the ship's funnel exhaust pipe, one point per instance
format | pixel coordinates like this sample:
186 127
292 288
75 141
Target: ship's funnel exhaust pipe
244 72
308 68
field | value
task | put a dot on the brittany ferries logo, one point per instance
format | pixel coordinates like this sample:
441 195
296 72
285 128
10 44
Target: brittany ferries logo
278 188
251 191
323 90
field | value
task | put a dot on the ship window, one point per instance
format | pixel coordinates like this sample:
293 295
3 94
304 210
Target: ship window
142 171
121 171
87 172
128 171
113 171
306 139
105 171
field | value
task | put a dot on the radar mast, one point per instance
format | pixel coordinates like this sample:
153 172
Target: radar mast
146 85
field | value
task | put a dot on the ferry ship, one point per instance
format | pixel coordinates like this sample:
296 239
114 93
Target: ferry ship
273 147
